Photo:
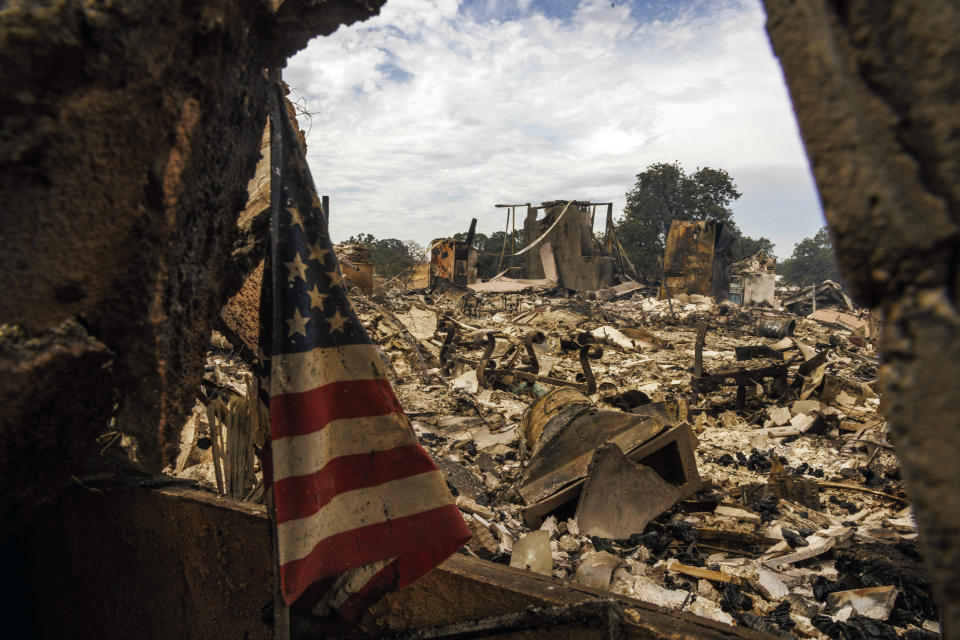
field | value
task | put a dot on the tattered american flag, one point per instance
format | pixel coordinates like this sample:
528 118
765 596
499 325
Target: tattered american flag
360 507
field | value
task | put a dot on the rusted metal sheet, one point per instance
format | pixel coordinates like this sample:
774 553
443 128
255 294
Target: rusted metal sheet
442 259
697 260
453 261
564 428
688 260
358 274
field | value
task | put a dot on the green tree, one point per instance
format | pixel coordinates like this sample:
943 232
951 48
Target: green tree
745 246
390 257
812 261
664 192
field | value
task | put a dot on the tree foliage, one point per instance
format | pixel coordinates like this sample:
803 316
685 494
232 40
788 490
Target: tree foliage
745 246
390 257
812 262
664 192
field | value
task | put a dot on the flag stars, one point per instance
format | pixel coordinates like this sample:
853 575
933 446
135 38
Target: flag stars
296 220
296 268
337 321
316 298
318 253
336 280
297 324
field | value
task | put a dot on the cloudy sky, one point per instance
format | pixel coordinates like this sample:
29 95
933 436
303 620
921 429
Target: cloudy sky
432 112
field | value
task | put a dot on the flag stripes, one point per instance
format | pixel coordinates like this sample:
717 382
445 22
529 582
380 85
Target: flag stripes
299 372
345 474
363 545
304 455
298 414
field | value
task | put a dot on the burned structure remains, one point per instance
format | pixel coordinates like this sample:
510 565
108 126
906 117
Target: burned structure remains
697 260
454 261
567 253
635 464
753 282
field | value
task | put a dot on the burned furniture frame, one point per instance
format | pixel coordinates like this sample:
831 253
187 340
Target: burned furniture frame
487 370
702 382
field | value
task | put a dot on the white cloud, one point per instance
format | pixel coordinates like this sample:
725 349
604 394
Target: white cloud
428 115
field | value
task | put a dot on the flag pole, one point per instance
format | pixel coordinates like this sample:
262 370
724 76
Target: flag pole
281 613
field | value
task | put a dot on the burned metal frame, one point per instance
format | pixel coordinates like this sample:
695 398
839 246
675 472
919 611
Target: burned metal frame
587 351
701 382
486 369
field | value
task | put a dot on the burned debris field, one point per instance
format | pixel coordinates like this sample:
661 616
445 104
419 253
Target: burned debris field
725 460
609 418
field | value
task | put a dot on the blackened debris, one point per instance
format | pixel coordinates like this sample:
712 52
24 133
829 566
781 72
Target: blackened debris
855 628
793 539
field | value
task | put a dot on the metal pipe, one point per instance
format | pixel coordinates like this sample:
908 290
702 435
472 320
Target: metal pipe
471 232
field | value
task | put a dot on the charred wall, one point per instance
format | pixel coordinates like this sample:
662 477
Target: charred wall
874 89
128 134
578 263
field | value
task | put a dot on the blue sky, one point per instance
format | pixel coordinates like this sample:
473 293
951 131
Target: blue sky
432 112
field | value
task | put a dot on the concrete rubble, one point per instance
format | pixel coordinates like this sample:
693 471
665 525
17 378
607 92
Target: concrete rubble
570 435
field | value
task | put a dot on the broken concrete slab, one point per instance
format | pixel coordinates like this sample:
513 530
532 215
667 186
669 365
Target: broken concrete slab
739 514
779 415
802 421
870 602
610 335
532 553
852 323
816 548
420 322
619 497
769 584
597 569
618 291
805 406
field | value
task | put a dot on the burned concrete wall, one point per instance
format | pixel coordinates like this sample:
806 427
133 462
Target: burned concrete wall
129 133
569 254
874 89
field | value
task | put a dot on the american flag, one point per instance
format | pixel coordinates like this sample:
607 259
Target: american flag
360 507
